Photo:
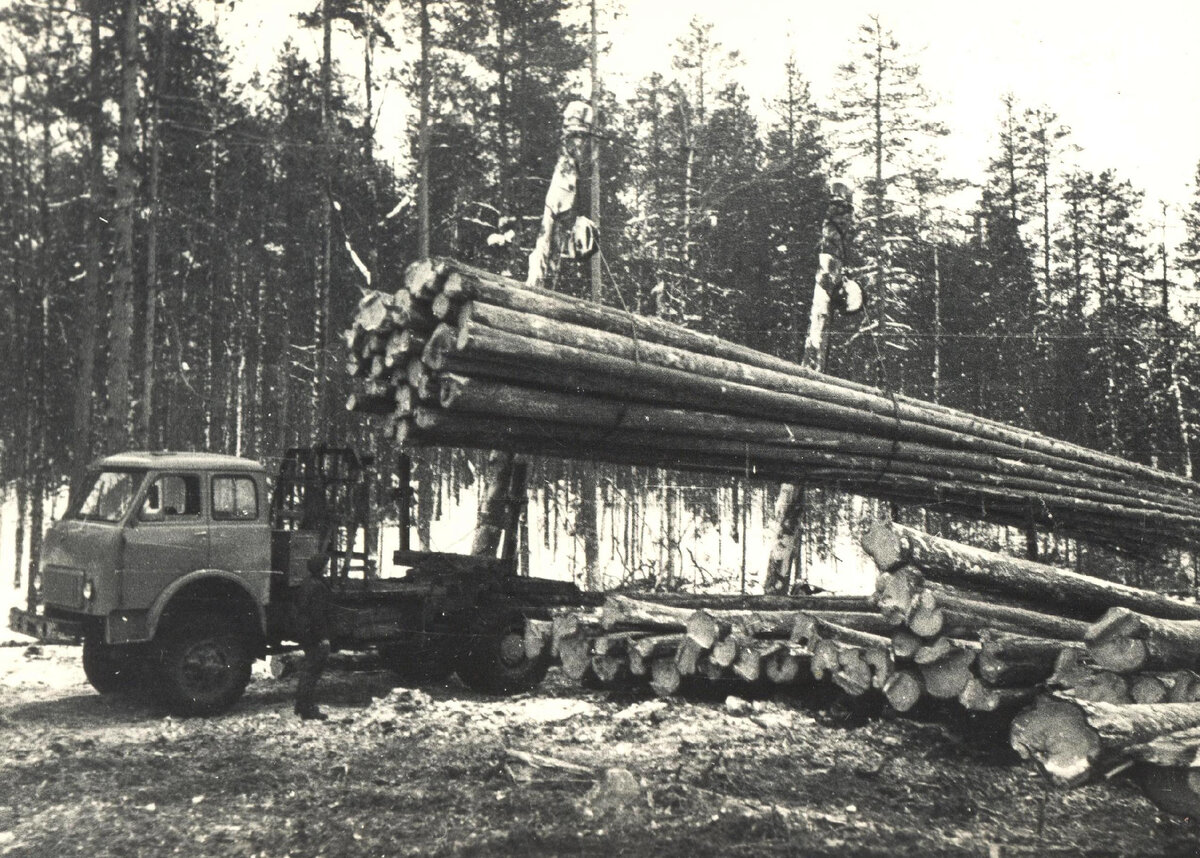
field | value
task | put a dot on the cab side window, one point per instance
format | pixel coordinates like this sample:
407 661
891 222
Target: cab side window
172 496
234 499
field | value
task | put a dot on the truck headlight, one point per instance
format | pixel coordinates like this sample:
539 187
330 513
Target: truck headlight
89 590
37 583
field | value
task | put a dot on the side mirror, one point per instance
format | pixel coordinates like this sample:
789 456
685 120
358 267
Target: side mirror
151 515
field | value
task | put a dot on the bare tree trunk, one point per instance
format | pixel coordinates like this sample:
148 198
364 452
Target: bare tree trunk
543 269
19 538
152 239
423 139
589 512
121 322
790 507
322 321
86 319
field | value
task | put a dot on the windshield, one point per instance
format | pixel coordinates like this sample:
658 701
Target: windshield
107 495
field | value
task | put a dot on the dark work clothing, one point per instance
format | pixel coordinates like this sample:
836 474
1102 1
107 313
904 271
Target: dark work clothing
312 611
316 653
311 619
837 227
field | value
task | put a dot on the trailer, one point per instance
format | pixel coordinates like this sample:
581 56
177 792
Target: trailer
177 570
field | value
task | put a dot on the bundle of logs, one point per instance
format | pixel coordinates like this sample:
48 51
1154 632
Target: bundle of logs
1093 675
464 358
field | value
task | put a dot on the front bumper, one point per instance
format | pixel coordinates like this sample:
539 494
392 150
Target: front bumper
55 630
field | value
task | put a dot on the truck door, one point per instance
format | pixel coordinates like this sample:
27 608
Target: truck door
166 539
239 536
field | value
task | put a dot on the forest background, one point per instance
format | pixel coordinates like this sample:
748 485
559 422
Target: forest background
182 240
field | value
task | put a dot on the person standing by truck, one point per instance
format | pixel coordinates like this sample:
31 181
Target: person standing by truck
312 633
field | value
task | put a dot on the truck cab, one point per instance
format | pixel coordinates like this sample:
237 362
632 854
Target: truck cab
178 570
162 563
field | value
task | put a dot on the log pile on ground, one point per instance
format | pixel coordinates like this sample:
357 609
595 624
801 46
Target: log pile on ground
1089 684
1109 670
462 357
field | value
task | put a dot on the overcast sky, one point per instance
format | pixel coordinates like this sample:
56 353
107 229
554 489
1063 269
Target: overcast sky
1125 76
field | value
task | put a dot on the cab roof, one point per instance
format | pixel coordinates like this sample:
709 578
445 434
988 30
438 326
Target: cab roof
180 461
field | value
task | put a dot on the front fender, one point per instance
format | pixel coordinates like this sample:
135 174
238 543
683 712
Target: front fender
255 585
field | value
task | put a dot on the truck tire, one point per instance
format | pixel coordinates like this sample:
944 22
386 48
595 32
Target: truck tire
110 669
494 660
203 667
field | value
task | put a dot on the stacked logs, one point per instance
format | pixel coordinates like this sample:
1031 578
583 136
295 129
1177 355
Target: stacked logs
1110 670
668 640
1093 675
462 357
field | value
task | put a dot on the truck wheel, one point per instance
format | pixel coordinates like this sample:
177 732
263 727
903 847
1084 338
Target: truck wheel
110 669
494 659
204 666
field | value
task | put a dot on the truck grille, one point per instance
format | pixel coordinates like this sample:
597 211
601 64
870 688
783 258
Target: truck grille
62 586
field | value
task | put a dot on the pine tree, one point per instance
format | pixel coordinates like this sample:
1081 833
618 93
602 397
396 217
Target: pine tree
882 117
796 161
883 125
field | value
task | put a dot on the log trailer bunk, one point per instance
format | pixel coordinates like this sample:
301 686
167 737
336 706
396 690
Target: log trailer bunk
175 576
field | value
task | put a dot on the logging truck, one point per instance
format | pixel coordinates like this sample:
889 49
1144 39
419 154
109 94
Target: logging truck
177 570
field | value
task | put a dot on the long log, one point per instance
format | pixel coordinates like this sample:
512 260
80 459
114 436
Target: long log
752 601
1104 523
682 387
892 545
1072 739
709 625
1125 641
466 284
1018 660
725 651
978 696
687 657
903 407
442 429
752 654
809 627
1145 504
497 398
938 608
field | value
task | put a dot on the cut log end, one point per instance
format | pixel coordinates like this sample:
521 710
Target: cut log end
665 678
903 690
1056 734
882 545
782 668
1116 651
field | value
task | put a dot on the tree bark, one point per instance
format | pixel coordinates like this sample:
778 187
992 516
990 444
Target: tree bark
86 319
121 320
1124 641
1016 660
1072 739
891 545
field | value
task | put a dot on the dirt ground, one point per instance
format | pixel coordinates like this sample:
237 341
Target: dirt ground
444 771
